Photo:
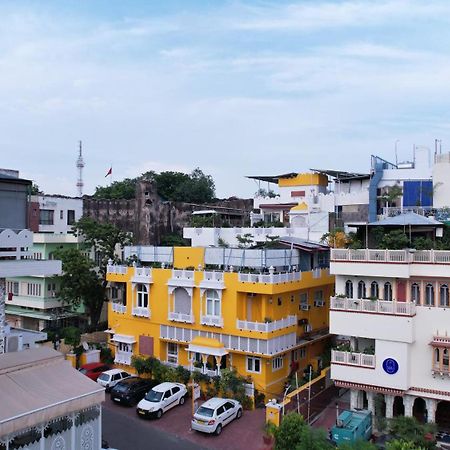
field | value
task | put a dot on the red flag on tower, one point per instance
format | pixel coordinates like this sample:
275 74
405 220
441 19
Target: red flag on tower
109 172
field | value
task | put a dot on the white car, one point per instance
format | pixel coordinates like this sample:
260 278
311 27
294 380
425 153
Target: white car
215 413
161 398
111 377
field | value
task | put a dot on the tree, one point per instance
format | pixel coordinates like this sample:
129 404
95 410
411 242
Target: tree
289 433
245 241
400 444
34 190
410 430
313 439
80 283
392 194
125 189
395 240
358 445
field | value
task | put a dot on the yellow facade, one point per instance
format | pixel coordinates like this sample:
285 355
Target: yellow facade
304 179
265 354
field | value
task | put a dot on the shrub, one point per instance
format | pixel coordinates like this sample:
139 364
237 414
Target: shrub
106 355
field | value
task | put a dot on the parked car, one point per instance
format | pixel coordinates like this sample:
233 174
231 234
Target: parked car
111 377
93 370
161 398
215 413
131 390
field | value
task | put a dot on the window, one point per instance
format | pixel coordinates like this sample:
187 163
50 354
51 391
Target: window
387 294
51 286
349 289
34 289
228 406
302 352
124 347
12 287
361 289
415 293
437 358
220 410
172 353
445 358
46 216
277 363
443 295
142 296
70 216
212 303
429 294
61 214
374 289
167 395
175 390
253 364
304 298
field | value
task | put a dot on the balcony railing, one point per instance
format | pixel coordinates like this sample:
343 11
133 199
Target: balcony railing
123 357
144 272
266 327
183 274
119 308
396 256
274 278
213 321
353 359
120 270
180 317
373 306
140 311
213 276
441 370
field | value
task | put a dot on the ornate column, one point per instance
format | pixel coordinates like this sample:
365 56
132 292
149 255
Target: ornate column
353 398
408 402
371 402
218 362
431 409
2 316
204 361
389 399
73 430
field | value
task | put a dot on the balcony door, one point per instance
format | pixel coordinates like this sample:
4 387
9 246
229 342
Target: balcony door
249 308
401 291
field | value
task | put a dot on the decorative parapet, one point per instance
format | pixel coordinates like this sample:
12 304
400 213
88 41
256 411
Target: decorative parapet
373 306
267 327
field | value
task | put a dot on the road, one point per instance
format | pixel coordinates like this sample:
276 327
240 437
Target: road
126 431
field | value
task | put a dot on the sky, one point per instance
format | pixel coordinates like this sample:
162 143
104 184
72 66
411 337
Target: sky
234 87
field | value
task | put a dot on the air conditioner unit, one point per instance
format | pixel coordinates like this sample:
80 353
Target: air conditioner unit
305 307
319 303
13 344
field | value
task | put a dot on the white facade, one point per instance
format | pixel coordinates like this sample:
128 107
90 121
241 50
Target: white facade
394 308
441 185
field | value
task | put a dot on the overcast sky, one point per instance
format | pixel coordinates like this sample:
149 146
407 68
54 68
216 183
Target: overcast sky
237 88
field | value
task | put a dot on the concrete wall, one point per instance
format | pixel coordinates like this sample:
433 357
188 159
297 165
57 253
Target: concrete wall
13 203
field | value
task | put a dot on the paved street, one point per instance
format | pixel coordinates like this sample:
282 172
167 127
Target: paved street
124 430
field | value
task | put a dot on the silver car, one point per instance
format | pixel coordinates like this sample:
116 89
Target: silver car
215 413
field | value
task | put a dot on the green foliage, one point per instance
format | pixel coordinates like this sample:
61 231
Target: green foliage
245 241
358 445
222 243
174 186
423 243
72 336
173 240
144 365
34 190
106 355
395 240
393 193
80 283
410 430
400 444
198 221
270 429
271 241
376 235
313 439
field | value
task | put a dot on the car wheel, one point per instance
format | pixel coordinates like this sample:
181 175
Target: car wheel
182 400
239 413
218 430
159 414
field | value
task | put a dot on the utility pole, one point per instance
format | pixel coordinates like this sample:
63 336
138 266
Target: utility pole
309 392
80 165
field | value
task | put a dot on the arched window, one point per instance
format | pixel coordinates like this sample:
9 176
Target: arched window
387 294
443 295
437 358
349 289
429 294
445 358
361 289
182 301
415 293
374 289
212 303
142 296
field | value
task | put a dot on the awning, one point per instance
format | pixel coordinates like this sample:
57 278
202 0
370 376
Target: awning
123 338
207 346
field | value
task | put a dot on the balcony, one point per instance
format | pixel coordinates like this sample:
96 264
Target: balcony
180 317
212 321
142 275
140 312
373 306
117 269
182 274
213 276
118 308
353 359
266 327
270 278
122 357
370 255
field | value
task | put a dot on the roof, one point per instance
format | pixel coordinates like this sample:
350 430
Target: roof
272 178
38 385
214 402
113 371
341 175
302 244
162 387
409 218
278 205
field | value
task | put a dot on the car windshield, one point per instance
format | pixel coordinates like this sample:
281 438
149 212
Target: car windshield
83 371
154 396
202 411
103 377
120 387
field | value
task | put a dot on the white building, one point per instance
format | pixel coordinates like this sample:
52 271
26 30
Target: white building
393 306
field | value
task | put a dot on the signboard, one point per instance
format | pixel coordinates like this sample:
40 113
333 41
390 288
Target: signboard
196 394
390 366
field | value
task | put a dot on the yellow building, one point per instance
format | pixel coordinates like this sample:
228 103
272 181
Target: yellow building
264 324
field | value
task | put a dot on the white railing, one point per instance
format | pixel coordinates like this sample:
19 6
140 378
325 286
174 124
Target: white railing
123 357
213 276
183 274
316 273
144 272
213 321
373 306
119 308
140 311
397 256
282 277
120 270
353 359
180 317
267 327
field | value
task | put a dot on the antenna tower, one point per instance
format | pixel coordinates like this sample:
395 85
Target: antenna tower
80 165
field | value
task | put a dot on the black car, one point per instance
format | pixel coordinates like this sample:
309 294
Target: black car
132 390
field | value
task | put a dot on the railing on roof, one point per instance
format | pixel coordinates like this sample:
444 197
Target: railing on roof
267 327
270 278
373 306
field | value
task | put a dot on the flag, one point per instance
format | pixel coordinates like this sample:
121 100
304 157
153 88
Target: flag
109 172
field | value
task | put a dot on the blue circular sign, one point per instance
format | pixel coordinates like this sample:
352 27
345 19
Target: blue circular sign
390 366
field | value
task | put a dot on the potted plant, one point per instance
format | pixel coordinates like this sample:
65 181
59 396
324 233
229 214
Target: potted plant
267 320
269 433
